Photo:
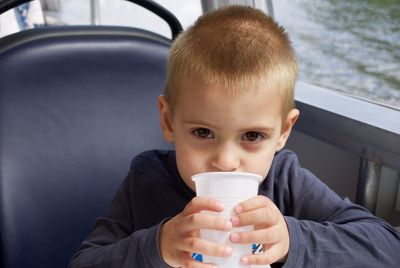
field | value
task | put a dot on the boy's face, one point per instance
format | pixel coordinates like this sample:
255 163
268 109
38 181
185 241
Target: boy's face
215 131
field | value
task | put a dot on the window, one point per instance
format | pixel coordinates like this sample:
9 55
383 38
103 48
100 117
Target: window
124 13
346 45
349 46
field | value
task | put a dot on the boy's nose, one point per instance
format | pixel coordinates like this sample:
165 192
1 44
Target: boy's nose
226 159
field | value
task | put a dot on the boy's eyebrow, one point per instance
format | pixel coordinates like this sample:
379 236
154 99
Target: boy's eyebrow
255 128
201 122
260 129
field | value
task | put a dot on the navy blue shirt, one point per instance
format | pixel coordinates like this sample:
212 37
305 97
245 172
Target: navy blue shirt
325 230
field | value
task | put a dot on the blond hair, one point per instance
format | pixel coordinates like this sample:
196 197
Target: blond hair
234 47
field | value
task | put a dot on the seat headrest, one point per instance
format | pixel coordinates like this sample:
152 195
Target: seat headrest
76 104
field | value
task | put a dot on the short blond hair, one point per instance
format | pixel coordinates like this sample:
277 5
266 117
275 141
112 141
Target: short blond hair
235 47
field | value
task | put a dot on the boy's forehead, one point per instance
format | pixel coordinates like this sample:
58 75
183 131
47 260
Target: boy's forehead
193 95
261 88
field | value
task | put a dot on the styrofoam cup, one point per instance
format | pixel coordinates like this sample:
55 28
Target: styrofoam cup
229 188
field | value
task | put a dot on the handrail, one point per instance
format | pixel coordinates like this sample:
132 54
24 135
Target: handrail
9 4
163 13
157 9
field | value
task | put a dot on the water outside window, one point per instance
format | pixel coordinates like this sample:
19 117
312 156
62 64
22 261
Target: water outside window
347 45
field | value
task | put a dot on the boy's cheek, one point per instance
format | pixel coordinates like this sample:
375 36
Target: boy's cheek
187 167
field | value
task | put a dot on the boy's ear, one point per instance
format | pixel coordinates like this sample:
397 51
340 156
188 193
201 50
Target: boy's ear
165 119
287 128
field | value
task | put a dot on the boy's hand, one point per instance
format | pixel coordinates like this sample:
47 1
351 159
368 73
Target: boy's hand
180 237
270 230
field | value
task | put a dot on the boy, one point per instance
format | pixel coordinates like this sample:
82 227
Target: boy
228 106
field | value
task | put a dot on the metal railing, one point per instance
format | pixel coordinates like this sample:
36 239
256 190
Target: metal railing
368 130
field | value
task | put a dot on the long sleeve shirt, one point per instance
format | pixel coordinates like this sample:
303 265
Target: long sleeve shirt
325 230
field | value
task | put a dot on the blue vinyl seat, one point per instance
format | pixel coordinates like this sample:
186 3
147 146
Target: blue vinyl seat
76 104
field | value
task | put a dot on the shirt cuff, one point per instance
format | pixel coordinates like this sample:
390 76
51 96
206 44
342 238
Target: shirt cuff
292 259
155 253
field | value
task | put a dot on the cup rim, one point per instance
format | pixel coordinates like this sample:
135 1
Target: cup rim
236 174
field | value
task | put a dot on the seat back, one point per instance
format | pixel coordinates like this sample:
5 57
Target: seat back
76 104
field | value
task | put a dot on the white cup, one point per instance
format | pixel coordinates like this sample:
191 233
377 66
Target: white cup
229 188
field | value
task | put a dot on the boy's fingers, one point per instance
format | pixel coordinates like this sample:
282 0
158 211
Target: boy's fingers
270 256
196 264
263 236
194 244
202 265
198 221
253 203
265 216
199 203
188 262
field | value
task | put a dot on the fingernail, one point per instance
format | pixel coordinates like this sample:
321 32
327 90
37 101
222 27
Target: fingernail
228 251
245 260
238 209
228 225
235 220
220 206
234 237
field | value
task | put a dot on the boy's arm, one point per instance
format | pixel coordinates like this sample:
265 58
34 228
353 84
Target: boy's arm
328 231
350 237
113 243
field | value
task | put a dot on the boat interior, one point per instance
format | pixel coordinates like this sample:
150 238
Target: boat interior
78 102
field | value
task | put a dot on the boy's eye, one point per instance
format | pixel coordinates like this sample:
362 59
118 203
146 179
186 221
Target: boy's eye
253 136
203 133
